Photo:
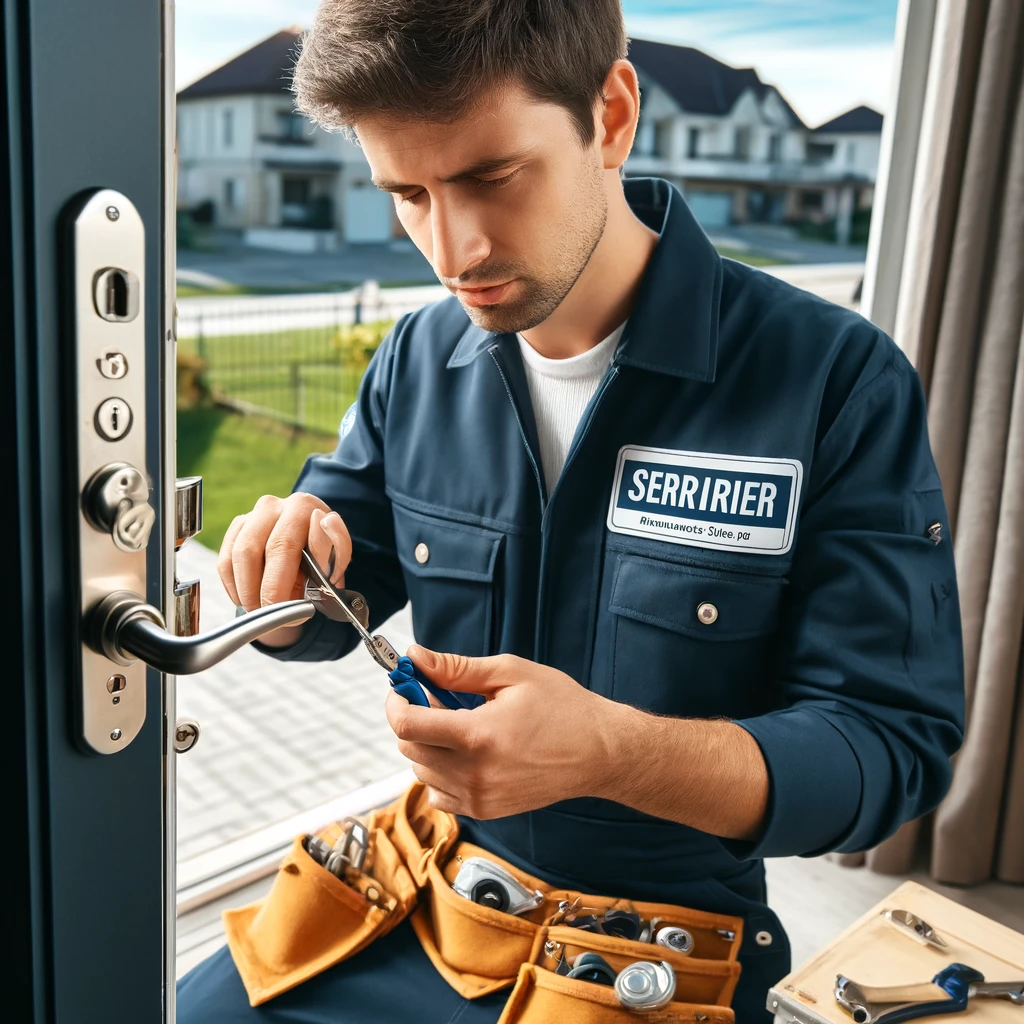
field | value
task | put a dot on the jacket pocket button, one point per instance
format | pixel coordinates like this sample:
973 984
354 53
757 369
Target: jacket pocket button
707 613
422 552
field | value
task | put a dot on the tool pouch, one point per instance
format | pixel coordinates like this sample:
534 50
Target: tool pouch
312 920
541 997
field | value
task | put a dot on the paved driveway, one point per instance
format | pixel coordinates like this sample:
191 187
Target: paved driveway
276 738
267 268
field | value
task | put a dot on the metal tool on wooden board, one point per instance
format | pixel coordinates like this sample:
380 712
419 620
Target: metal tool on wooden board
350 606
912 926
950 991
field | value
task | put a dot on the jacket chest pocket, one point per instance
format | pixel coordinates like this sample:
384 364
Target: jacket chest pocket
691 641
450 571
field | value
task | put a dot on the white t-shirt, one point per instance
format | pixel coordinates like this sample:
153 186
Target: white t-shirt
560 390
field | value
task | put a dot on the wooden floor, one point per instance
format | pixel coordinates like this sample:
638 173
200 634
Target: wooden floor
815 899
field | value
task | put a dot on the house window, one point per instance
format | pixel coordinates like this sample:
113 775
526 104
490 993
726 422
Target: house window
693 143
295 190
229 194
228 128
290 124
644 142
820 152
775 149
663 139
812 202
295 201
741 148
851 154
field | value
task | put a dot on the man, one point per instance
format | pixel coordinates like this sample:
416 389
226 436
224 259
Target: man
676 520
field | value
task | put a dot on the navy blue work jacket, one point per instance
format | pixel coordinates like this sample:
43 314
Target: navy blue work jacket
749 525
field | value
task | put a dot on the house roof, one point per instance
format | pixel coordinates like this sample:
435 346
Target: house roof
264 68
859 119
699 83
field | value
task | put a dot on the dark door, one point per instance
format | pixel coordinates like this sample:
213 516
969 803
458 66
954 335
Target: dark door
86 390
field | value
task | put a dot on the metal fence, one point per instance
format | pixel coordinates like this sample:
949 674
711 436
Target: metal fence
294 358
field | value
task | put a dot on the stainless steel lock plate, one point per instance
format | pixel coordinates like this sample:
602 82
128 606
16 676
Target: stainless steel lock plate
116 517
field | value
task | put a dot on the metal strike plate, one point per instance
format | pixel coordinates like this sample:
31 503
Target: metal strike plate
186 608
108 263
188 508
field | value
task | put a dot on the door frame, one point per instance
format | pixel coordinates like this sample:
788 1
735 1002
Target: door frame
87 95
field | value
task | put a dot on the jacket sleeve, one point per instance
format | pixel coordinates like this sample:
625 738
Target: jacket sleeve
870 663
351 481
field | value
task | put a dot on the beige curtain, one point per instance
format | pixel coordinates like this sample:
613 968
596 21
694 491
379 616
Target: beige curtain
960 315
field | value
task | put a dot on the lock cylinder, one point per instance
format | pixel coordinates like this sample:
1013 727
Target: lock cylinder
116 501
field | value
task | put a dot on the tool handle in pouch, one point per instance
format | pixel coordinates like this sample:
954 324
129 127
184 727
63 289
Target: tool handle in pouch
409 682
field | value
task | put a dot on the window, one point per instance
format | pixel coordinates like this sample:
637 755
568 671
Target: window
851 154
775 149
693 143
290 124
643 145
229 193
812 201
228 128
296 209
663 139
820 152
295 190
741 148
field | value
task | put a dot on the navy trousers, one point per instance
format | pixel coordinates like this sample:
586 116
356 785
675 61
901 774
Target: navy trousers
392 981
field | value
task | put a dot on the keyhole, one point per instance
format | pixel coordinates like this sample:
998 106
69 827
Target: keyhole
117 294
114 417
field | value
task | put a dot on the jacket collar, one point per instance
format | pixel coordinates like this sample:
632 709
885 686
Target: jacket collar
673 327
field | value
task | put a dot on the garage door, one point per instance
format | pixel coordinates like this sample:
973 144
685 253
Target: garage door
368 213
712 209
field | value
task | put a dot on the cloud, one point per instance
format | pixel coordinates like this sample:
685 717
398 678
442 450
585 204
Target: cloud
824 57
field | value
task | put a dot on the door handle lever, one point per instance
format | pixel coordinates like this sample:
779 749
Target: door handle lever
124 629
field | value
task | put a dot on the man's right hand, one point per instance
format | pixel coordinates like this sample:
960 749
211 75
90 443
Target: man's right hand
261 557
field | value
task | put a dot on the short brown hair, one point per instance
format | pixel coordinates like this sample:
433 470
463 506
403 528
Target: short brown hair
431 58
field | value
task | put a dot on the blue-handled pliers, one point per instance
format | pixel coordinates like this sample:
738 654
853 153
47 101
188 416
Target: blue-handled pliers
349 606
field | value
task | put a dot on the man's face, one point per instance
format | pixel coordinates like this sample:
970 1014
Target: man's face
506 203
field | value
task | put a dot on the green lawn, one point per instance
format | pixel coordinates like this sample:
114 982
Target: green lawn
307 377
240 458
188 291
753 259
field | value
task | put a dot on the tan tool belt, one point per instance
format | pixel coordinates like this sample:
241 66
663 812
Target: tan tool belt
311 920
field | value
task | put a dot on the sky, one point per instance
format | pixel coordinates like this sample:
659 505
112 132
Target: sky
826 56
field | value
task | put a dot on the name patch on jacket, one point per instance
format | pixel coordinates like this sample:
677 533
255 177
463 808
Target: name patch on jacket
729 502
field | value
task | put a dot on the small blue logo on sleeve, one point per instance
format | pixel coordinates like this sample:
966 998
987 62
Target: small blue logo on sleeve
729 502
348 421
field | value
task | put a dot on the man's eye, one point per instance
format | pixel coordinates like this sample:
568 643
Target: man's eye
412 197
499 182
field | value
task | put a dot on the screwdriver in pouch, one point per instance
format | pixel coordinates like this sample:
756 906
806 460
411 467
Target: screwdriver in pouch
348 606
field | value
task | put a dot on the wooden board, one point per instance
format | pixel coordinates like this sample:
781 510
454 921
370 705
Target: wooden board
872 951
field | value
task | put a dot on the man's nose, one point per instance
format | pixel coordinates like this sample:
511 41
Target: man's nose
458 241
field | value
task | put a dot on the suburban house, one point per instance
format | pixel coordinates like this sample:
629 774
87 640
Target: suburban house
731 142
738 150
265 168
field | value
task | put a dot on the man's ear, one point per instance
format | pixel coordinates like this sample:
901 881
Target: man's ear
617 114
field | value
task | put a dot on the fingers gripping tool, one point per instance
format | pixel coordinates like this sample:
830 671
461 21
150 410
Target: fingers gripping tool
348 606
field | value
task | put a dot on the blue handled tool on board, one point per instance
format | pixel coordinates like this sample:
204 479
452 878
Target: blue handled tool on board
348 606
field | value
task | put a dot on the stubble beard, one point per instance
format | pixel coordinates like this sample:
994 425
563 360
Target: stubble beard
542 296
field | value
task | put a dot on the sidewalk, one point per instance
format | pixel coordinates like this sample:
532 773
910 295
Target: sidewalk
276 738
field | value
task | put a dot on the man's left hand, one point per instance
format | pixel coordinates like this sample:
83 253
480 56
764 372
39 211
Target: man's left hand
540 738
